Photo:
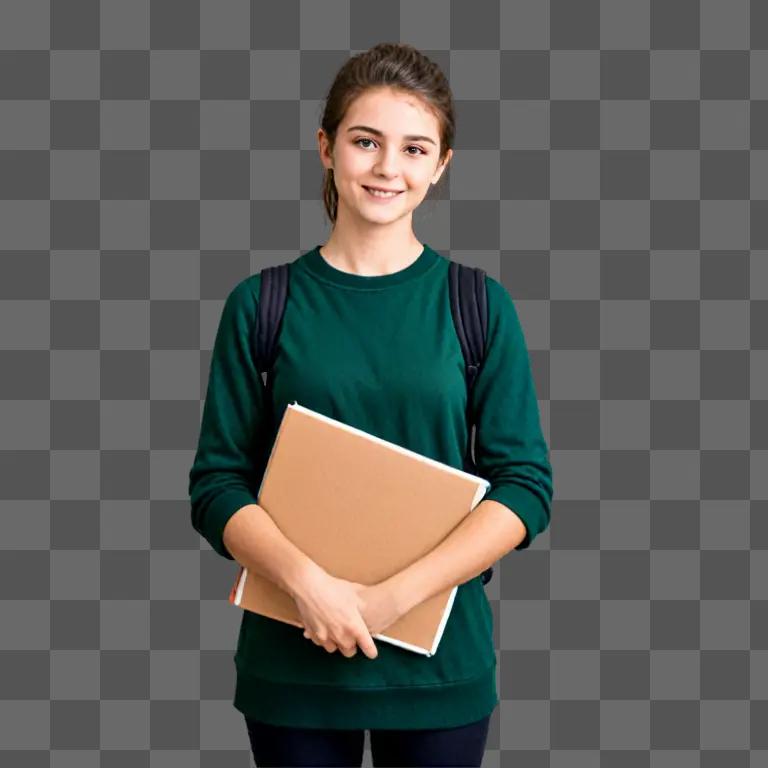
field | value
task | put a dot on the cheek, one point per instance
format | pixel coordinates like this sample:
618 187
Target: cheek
419 185
419 178
354 165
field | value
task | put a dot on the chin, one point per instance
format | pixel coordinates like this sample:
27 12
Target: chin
384 215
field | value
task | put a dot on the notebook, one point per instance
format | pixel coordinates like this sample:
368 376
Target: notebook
363 508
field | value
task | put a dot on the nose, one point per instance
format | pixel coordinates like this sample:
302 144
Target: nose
386 164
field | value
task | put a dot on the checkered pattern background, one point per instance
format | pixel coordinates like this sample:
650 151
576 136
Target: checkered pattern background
611 169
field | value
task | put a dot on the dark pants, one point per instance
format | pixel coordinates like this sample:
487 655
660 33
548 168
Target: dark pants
277 745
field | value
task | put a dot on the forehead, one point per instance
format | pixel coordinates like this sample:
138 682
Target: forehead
392 112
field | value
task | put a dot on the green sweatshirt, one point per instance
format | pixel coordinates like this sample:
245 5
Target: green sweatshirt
379 353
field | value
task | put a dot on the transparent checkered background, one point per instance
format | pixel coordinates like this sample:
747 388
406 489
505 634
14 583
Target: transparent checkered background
611 169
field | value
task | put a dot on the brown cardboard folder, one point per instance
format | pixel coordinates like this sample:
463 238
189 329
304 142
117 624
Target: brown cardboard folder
363 508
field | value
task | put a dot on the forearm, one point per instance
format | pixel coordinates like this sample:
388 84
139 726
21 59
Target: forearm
483 537
255 541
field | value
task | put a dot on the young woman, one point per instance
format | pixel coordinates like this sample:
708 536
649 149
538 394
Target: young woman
368 338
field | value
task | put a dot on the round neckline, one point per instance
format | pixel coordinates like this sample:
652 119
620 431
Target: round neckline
315 262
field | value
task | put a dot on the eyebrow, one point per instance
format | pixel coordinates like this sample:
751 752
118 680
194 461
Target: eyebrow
376 132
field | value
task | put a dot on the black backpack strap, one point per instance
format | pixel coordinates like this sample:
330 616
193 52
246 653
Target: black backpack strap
273 296
469 308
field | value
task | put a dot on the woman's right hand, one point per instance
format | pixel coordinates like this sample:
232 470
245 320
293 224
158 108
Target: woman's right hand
330 613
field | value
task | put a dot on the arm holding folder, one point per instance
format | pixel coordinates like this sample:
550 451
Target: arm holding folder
487 533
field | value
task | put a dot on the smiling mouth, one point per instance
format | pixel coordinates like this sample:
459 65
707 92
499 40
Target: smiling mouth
383 194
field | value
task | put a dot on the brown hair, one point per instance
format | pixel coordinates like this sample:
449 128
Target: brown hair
394 65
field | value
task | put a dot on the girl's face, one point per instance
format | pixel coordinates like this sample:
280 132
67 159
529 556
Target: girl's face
387 140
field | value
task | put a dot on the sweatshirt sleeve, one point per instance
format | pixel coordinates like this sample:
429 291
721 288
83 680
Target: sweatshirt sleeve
224 475
510 449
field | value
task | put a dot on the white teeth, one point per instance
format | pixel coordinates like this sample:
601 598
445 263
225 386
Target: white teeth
376 193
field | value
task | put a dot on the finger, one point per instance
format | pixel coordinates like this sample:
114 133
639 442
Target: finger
349 651
365 641
326 642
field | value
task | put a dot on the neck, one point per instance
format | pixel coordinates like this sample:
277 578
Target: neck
371 254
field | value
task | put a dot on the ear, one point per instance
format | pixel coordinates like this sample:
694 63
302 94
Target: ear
441 168
326 157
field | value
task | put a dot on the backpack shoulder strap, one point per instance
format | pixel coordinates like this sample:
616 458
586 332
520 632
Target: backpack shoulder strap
469 308
273 295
